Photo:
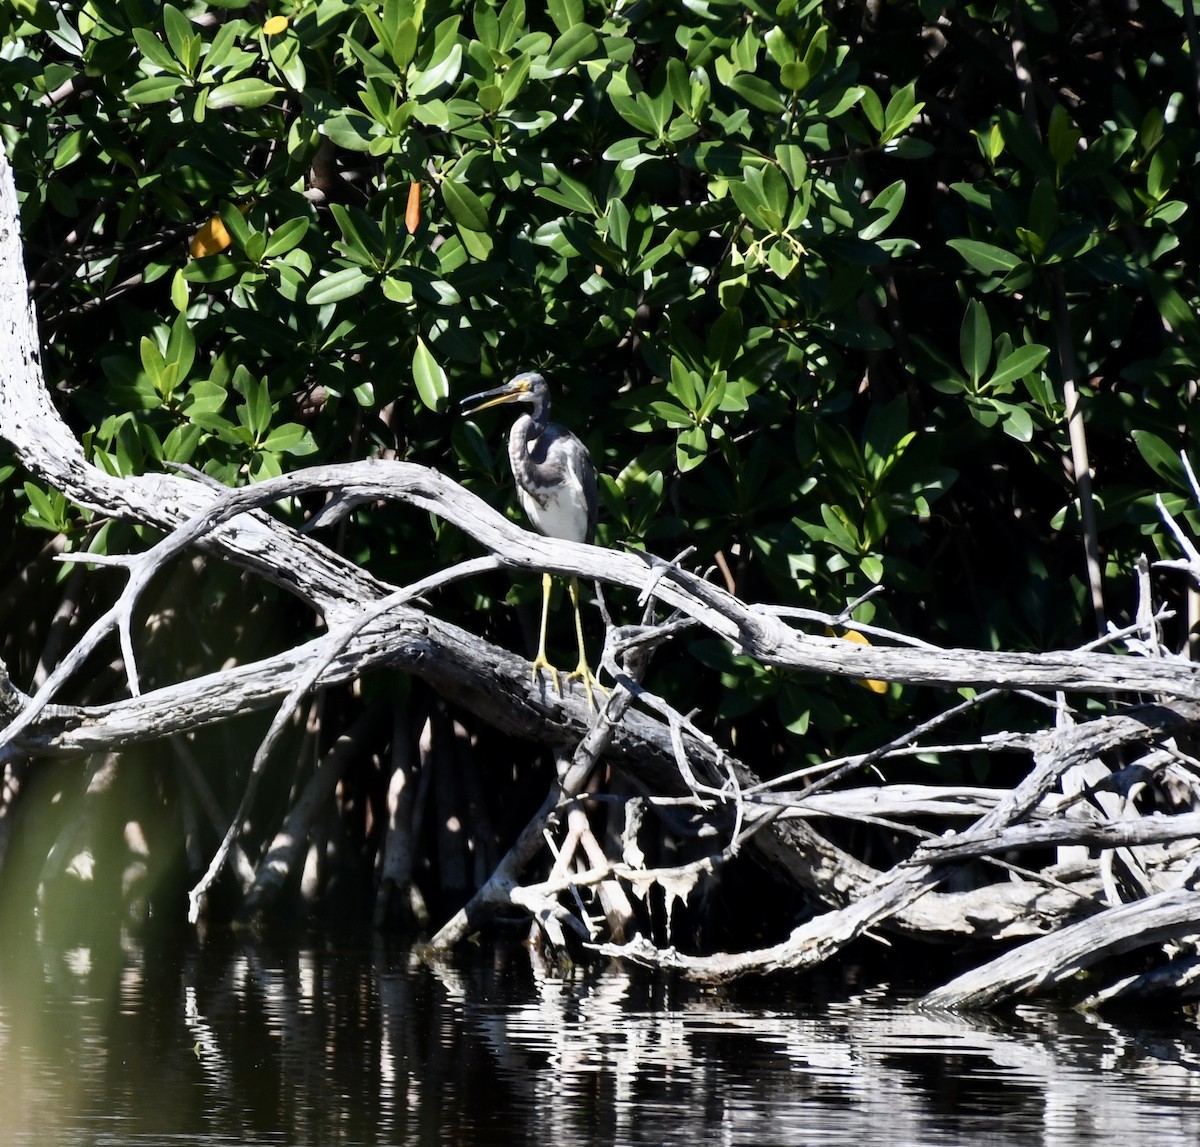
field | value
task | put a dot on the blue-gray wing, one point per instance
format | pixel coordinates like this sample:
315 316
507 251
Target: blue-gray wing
587 481
556 482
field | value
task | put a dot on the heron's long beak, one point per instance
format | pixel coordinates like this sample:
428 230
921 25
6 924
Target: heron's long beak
509 392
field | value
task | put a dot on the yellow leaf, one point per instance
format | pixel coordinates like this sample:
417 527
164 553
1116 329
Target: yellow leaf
210 239
275 25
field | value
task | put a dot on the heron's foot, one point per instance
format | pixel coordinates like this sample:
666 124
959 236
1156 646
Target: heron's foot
539 663
581 672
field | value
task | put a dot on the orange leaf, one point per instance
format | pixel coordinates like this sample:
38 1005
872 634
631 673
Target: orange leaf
210 239
412 213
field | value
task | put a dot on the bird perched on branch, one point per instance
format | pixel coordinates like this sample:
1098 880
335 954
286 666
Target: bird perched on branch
556 484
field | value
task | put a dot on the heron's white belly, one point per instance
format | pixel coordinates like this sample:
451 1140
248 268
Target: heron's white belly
560 512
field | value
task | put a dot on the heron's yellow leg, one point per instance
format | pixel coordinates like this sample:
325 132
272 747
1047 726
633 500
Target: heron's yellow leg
581 672
541 661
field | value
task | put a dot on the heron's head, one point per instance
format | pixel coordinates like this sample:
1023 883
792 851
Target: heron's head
529 387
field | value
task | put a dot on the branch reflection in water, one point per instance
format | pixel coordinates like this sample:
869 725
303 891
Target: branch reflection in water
325 1042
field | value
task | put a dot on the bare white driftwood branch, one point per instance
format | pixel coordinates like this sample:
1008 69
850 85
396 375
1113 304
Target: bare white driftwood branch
1091 833
1051 959
746 628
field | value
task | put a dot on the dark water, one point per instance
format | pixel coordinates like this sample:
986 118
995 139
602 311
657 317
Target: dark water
320 1041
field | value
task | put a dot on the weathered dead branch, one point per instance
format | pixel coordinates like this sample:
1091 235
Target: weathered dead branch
1052 959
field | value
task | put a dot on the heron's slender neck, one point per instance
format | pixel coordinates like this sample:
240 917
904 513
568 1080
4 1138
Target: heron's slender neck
539 412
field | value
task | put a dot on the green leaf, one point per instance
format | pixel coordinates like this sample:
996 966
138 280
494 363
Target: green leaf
264 465
39 501
433 387
438 75
179 291
1043 210
156 90
793 163
758 93
1160 457
39 13
985 257
287 235
179 30
398 290
153 363
351 130
884 209
344 284
255 413
180 445
211 269
839 531
672 414
775 191
1151 131
691 447
569 193
205 397
565 13
514 79
1018 363
244 93
364 241
794 709
1062 137
1173 307
795 75
464 206
181 347
235 223
817 51
748 195
404 43
1164 169
901 110
223 48
154 51
288 438
684 384
491 98
575 44
1018 423
975 341
872 108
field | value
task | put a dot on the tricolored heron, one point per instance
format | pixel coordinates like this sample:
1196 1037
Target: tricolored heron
556 484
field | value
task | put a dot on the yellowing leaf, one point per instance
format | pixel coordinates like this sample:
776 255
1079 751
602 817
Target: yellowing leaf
211 239
275 25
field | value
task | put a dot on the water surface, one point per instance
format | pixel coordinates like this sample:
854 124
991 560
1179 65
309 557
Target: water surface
327 1041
